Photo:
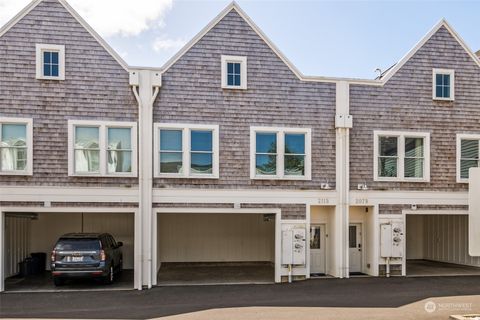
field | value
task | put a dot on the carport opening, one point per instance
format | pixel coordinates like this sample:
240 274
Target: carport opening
215 248
31 237
437 245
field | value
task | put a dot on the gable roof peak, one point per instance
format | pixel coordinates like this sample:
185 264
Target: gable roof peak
442 23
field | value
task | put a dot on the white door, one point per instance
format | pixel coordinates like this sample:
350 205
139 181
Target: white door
355 247
317 249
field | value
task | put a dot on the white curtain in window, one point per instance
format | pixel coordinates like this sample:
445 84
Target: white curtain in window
113 156
7 158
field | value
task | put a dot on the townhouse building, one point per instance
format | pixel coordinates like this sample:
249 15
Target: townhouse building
228 156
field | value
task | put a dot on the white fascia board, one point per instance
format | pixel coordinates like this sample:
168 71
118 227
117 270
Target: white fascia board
372 197
435 212
325 198
68 194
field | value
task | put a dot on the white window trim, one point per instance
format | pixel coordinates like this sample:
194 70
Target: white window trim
186 129
450 72
281 131
401 135
103 136
460 137
243 71
29 166
40 48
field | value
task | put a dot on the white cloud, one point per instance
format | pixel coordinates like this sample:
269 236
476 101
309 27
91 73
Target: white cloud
107 17
166 44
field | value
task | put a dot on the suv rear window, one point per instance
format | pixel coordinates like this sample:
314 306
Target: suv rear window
77 244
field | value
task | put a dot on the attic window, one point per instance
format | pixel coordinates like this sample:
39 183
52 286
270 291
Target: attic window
443 84
50 60
234 72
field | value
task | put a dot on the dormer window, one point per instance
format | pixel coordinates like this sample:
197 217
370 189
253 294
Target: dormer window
443 84
234 72
50 62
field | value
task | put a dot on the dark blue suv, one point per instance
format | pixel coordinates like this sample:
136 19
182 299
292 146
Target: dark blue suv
86 255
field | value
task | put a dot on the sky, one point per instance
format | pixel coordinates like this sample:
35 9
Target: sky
321 38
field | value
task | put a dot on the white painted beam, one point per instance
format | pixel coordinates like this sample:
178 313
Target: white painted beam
474 213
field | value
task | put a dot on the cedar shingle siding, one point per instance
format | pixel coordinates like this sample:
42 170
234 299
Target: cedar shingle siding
96 87
192 93
405 104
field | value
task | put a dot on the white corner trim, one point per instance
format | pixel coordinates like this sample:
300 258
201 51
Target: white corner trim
280 132
29 166
451 73
460 137
40 48
103 137
401 135
243 71
186 129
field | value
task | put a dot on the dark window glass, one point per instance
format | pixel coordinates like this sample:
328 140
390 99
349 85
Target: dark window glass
233 73
315 238
469 157
388 146
171 155
266 142
294 143
77 244
442 86
50 64
201 141
201 155
266 164
202 163
352 236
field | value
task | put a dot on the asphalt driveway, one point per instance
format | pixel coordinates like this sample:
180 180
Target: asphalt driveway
163 301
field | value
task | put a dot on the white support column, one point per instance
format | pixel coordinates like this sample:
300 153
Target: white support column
145 81
474 213
343 123
2 250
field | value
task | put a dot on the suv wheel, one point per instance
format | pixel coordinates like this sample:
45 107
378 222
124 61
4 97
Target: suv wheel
58 281
110 276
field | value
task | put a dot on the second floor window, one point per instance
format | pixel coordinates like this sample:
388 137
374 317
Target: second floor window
186 151
280 153
234 72
402 156
468 155
15 146
102 148
50 62
443 84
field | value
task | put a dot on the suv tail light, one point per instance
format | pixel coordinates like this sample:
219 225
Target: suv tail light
103 257
53 256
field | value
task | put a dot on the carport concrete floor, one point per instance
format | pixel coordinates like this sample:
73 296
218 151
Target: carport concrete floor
44 283
435 268
215 273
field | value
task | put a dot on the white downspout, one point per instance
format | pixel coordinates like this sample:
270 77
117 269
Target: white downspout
143 81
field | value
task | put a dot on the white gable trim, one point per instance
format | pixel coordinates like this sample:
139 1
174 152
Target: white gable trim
421 43
234 6
18 17
77 17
